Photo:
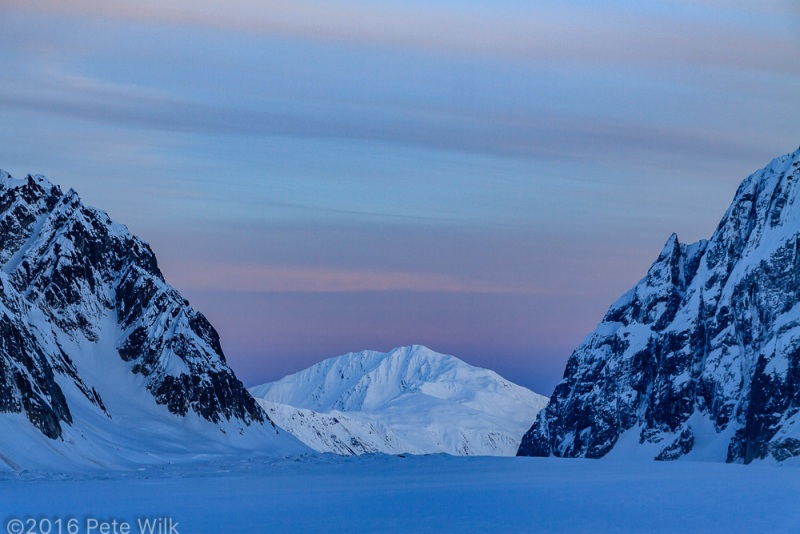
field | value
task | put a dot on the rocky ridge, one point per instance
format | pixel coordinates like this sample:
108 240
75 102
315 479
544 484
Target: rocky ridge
701 359
80 294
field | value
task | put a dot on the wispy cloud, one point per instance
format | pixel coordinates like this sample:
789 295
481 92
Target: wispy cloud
302 279
772 7
539 31
533 133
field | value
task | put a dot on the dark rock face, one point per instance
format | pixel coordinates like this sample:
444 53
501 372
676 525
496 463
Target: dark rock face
71 275
27 383
705 348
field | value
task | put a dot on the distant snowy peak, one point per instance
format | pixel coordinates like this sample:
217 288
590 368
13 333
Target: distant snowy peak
410 399
701 359
371 380
81 293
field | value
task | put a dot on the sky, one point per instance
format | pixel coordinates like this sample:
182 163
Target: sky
320 177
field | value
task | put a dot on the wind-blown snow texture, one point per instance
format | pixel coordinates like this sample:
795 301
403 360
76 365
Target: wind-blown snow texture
436 493
95 347
410 399
702 358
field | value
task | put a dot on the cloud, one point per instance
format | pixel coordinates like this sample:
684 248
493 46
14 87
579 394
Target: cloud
538 31
303 279
771 7
409 109
533 133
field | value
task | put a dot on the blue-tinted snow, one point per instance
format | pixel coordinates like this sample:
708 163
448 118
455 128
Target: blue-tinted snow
423 494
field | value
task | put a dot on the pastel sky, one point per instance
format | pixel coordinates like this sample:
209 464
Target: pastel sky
319 177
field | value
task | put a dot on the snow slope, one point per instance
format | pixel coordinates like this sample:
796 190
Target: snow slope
410 399
101 361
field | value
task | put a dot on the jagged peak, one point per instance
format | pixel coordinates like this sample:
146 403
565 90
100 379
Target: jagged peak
777 167
766 207
7 180
783 163
39 179
701 348
72 196
33 189
660 271
671 247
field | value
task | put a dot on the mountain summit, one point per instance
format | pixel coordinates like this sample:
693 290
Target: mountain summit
702 358
410 399
97 352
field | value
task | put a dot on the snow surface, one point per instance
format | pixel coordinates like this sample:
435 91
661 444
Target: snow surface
438 493
410 399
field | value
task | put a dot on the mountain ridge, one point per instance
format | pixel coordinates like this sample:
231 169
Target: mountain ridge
407 400
81 293
701 359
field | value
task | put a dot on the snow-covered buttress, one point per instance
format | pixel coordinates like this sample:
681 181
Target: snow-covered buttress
702 358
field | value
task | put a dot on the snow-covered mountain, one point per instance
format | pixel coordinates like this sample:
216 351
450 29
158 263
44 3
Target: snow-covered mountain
101 360
410 399
702 358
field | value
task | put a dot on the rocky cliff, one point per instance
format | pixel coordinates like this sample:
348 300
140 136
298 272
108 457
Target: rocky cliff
702 357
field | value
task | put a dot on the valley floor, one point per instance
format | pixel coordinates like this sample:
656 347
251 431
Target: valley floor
417 494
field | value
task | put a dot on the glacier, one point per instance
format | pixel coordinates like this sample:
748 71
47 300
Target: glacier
435 493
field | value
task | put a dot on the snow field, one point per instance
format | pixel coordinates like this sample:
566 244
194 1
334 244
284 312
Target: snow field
437 493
